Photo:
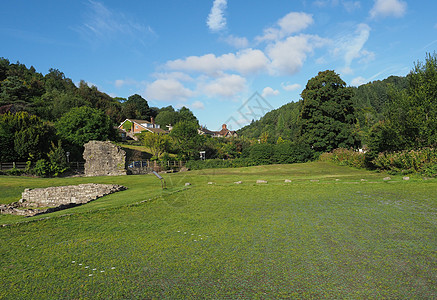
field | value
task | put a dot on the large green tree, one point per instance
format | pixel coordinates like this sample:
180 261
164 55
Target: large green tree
157 144
136 107
24 136
414 113
82 124
187 138
327 118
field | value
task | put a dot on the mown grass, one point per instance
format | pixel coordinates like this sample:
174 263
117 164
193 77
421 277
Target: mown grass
306 239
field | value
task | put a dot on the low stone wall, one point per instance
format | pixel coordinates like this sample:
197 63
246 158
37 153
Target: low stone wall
57 198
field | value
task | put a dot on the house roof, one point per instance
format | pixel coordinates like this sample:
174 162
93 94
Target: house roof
157 130
139 121
207 131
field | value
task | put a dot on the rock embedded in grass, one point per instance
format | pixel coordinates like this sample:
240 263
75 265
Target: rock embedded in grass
386 178
287 180
406 178
261 181
238 182
187 184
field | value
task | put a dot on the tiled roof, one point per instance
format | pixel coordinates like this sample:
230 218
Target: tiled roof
157 130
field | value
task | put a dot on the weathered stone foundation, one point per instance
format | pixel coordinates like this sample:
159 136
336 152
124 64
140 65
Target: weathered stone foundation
57 198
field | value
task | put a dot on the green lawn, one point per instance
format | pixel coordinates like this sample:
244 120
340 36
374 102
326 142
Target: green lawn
316 237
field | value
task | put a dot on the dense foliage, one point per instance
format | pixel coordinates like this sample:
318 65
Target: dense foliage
395 114
24 136
327 117
281 122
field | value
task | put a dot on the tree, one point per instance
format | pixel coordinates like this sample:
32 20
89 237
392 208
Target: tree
327 118
167 117
414 113
82 124
186 137
156 143
187 115
136 107
24 136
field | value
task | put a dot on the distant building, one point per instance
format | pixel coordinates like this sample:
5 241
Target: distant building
140 126
225 132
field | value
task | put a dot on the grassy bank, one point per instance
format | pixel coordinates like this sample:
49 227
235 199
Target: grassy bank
332 232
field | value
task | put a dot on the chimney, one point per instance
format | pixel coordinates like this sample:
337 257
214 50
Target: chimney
224 126
152 120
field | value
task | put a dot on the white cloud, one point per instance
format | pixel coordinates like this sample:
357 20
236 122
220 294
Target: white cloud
119 83
102 23
290 87
357 81
325 3
197 105
167 89
388 8
268 91
288 56
350 47
247 61
216 20
180 76
237 42
228 86
293 22
350 6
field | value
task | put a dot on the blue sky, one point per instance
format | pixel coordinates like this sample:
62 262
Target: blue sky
212 56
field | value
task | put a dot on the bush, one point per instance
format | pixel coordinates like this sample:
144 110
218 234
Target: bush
14 172
408 161
345 157
41 168
58 161
350 158
262 154
289 153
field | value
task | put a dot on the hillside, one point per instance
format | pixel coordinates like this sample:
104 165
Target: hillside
370 100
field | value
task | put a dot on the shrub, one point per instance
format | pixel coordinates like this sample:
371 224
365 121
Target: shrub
14 172
288 153
345 157
408 161
349 158
41 168
261 154
57 160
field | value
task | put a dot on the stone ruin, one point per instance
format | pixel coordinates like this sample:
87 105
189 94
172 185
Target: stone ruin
104 159
57 198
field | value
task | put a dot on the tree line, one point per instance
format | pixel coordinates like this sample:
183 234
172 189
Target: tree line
49 115
397 113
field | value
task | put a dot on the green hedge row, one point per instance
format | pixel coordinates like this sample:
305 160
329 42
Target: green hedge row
260 154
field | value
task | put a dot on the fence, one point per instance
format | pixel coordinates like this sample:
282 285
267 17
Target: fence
147 166
13 165
4 166
136 167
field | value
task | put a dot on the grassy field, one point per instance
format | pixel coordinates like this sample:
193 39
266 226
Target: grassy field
333 232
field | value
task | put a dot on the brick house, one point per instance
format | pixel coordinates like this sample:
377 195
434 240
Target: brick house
140 126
